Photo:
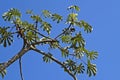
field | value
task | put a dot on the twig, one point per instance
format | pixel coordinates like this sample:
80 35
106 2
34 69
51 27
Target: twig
63 31
20 65
42 35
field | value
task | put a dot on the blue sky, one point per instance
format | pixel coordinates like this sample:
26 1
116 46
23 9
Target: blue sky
103 15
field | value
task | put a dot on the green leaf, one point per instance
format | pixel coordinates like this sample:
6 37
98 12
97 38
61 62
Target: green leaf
77 41
91 69
46 27
79 69
29 12
46 13
3 73
70 64
79 24
18 21
72 18
36 18
66 38
6 38
3 30
77 8
12 14
64 52
74 7
46 58
88 28
31 36
28 27
79 52
56 17
54 45
92 55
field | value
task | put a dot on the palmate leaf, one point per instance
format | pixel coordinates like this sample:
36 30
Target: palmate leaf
92 55
3 73
46 13
72 18
29 12
79 69
18 21
11 14
56 17
88 28
6 38
31 36
77 40
46 58
3 30
91 69
66 38
36 18
54 45
74 7
28 27
64 52
79 52
46 27
70 64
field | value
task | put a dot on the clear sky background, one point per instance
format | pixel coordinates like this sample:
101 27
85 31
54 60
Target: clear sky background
103 15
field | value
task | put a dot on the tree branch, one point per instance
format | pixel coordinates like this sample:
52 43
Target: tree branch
14 58
44 41
57 61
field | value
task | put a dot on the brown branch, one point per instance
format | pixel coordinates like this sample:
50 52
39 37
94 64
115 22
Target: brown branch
57 61
20 65
42 35
14 58
44 41
26 47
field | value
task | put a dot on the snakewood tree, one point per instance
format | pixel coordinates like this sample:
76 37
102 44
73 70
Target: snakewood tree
69 42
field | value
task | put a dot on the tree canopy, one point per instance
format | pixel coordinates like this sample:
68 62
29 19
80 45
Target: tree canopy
70 42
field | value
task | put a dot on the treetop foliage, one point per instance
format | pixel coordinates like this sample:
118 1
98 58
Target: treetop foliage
70 42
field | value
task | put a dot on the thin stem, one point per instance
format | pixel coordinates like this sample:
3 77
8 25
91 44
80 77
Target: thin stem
12 28
63 31
43 35
20 65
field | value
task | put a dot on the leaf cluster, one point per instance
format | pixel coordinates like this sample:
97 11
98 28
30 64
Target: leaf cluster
11 14
3 73
75 69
